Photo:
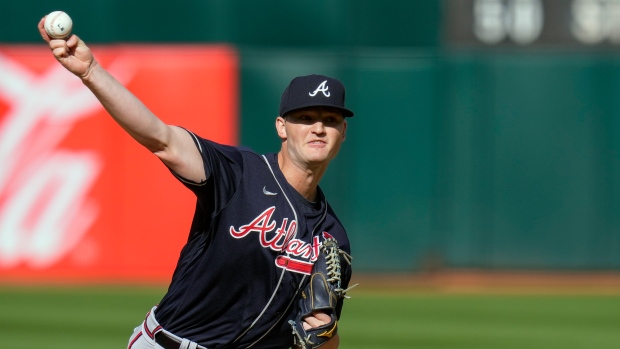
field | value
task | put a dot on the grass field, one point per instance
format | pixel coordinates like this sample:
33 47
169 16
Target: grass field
104 317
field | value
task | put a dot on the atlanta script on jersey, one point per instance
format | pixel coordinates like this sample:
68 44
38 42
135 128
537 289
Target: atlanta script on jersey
252 244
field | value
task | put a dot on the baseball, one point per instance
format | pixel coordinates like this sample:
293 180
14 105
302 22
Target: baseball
58 25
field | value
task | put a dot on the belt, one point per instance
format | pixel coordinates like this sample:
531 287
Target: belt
166 342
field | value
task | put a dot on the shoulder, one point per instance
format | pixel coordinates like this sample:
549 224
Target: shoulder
234 153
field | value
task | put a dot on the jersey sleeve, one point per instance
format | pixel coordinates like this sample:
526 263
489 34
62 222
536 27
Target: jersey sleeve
223 166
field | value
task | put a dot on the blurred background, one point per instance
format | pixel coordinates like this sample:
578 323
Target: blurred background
485 152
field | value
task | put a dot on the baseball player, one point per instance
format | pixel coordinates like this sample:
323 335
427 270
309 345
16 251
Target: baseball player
267 262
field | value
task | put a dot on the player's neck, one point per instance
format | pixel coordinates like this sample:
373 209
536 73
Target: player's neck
305 180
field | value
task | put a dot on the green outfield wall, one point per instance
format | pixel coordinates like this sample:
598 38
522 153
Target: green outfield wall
461 157
465 159
274 23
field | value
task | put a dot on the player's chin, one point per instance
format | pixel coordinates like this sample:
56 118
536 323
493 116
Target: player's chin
319 158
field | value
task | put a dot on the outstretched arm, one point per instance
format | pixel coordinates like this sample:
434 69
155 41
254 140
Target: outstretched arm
173 145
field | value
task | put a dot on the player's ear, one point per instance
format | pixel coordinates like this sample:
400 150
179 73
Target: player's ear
344 130
280 123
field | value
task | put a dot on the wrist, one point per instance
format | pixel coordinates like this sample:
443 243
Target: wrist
89 75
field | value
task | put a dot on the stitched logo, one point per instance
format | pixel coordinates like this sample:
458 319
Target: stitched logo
267 192
322 88
282 239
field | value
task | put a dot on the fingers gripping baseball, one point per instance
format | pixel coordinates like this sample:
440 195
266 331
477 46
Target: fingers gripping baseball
72 53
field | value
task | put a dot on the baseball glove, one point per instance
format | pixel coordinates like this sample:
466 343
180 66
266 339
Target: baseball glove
321 294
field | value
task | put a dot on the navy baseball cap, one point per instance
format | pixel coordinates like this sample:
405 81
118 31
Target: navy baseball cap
313 91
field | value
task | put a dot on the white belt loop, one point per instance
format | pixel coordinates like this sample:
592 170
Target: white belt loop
152 323
153 327
187 344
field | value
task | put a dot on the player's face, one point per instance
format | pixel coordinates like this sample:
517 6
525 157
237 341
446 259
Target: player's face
313 135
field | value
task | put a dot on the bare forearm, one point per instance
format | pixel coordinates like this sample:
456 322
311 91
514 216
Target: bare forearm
172 145
126 109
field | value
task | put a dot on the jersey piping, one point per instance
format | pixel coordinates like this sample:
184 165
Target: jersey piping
184 180
283 270
304 277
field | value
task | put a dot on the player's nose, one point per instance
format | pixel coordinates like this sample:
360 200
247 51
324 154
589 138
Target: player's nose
318 127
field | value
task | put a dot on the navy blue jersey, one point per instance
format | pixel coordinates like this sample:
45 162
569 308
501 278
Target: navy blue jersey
251 247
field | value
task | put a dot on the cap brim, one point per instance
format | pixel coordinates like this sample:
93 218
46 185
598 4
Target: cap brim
345 112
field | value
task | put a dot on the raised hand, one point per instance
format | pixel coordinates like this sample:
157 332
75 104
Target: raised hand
72 53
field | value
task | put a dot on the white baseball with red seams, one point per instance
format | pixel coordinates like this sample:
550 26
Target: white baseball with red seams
58 25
